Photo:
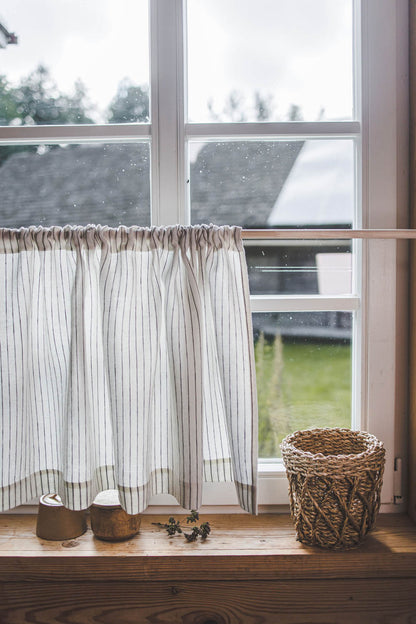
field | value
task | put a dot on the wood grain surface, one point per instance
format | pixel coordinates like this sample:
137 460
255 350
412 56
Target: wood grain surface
241 547
244 602
250 570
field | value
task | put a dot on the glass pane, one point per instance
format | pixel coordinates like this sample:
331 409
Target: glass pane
303 366
261 184
75 62
76 184
270 60
299 267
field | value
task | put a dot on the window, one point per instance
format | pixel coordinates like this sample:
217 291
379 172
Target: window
270 115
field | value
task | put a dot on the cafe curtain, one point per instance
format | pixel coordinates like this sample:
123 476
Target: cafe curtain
126 362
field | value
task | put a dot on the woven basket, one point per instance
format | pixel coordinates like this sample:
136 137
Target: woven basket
335 477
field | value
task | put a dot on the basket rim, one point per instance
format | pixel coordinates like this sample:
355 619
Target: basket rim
291 453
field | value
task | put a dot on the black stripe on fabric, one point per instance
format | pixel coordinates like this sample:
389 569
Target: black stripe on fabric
212 284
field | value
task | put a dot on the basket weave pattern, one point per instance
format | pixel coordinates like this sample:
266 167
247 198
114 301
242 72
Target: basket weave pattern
335 478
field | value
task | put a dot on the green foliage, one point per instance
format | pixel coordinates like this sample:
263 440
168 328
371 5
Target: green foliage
37 100
9 113
8 103
300 385
131 104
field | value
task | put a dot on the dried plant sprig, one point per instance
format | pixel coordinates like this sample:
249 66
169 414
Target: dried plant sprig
202 531
173 526
192 537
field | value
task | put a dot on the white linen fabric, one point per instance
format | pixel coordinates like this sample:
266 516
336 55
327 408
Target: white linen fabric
126 362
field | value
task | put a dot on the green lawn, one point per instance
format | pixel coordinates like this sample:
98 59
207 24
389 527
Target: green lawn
300 385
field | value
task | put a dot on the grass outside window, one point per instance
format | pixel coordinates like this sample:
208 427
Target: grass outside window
300 384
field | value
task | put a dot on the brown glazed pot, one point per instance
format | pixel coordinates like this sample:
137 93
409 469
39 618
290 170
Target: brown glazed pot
109 521
56 522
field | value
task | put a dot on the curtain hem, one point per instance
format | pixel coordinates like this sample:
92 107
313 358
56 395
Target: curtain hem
134 500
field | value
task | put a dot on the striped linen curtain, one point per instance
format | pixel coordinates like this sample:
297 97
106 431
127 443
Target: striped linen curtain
126 362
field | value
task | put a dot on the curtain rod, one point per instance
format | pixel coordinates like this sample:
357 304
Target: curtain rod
312 234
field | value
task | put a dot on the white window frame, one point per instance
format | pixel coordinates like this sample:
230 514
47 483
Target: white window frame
380 129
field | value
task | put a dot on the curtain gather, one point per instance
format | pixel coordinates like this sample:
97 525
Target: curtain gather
126 362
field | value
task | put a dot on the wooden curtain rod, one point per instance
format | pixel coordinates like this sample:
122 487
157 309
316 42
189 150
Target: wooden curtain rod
312 234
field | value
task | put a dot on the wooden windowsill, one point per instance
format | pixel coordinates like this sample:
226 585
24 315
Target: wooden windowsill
241 547
250 570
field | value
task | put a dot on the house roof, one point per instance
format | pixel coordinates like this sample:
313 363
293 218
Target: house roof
318 191
238 182
82 184
248 183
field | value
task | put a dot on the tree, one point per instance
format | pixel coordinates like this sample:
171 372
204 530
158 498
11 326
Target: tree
294 113
130 105
40 102
8 113
37 100
234 109
8 103
237 109
263 105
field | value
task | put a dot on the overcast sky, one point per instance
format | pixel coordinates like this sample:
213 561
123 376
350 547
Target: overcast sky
299 51
99 41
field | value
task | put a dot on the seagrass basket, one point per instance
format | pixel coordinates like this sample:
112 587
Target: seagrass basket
335 478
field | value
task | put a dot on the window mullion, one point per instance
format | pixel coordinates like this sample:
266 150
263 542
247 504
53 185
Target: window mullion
304 303
167 111
33 135
274 130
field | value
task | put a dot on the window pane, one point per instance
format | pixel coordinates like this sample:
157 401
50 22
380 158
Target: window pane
303 366
299 267
260 184
76 184
270 60
75 62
